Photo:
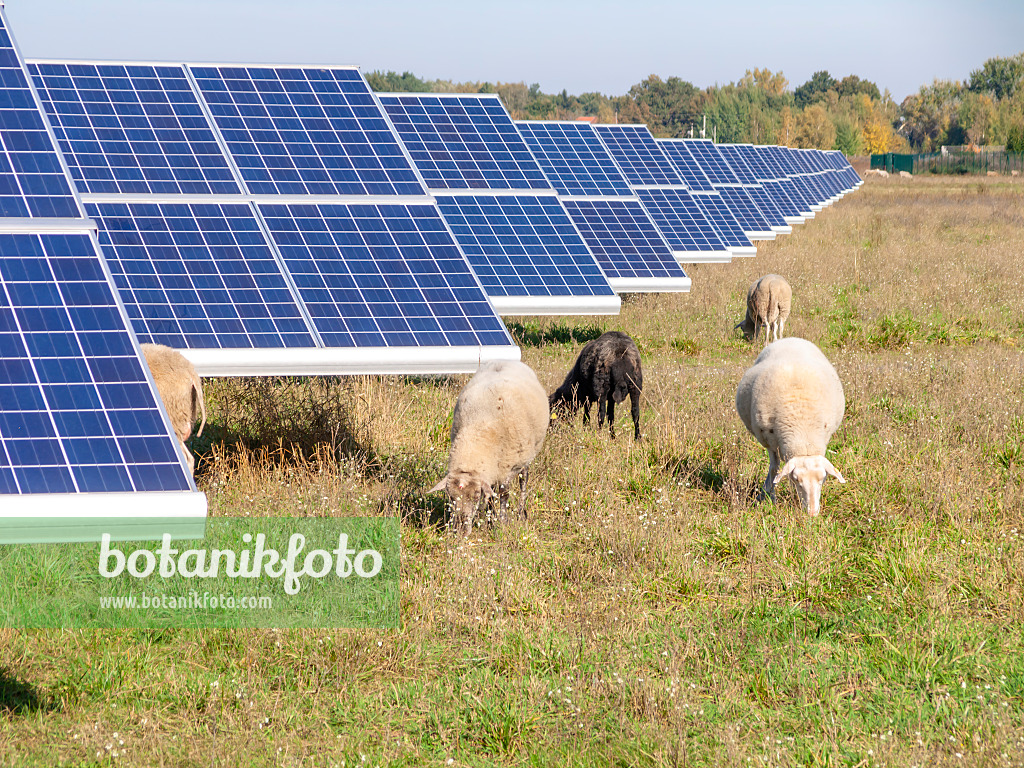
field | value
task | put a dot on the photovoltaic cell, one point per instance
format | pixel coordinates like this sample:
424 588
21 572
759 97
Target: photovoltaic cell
637 155
731 155
78 414
714 165
573 158
748 211
522 245
722 219
681 220
624 239
694 176
460 141
132 129
385 275
628 246
32 180
198 276
305 131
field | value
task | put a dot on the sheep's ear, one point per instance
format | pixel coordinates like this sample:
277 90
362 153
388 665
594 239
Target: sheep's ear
833 471
786 471
441 485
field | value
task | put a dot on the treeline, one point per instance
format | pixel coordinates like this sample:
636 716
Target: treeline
849 114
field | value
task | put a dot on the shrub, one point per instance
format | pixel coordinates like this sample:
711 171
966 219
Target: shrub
1015 138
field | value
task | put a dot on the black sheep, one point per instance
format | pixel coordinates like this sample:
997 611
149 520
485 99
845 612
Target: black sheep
607 369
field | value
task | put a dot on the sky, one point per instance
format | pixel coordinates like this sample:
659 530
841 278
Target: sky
574 45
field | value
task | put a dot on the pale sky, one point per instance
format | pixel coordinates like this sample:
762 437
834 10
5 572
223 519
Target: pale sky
576 45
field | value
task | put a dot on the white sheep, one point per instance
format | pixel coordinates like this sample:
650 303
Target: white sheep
498 427
792 401
769 301
181 391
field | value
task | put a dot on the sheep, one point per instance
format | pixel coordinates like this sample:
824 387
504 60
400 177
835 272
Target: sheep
792 401
181 391
498 427
768 304
606 370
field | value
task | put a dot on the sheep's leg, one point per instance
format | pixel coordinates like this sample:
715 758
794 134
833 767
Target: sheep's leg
586 411
634 402
503 502
524 478
773 468
601 401
611 417
782 324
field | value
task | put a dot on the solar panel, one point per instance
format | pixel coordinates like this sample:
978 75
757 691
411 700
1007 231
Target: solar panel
714 165
384 276
797 192
82 432
638 156
521 243
628 246
654 179
573 158
305 131
32 179
735 215
775 185
805 180
463 141
684 225
684 161
528 255
621 234
202 272
132 129
199 276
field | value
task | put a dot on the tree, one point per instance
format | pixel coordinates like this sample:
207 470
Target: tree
851 85
392 82
998 76
815 88
815 129
848 137
1015 138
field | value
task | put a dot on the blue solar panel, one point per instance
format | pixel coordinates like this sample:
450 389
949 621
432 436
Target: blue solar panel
766 205
78 415
637 155
198 276
305 131
745 209
731 154
722 219
711 160
522 245
681 220
386 275
32 180
132 128
463 141
573 158
623 238
678 153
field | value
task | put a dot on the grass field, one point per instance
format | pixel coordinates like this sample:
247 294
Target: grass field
651 611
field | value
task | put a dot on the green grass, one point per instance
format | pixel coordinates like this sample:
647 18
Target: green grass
652 610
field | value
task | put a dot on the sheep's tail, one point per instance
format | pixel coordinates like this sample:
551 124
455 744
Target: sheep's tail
197 394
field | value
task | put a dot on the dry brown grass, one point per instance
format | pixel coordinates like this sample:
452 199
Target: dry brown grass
650 611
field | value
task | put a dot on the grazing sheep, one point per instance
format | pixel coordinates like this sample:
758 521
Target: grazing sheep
181 390
792 401
607 369
768 304
498 427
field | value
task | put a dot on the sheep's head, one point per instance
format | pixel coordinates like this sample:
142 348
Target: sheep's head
467 491
746 328
807 474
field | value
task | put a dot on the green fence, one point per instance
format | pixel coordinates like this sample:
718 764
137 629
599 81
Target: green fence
952 162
